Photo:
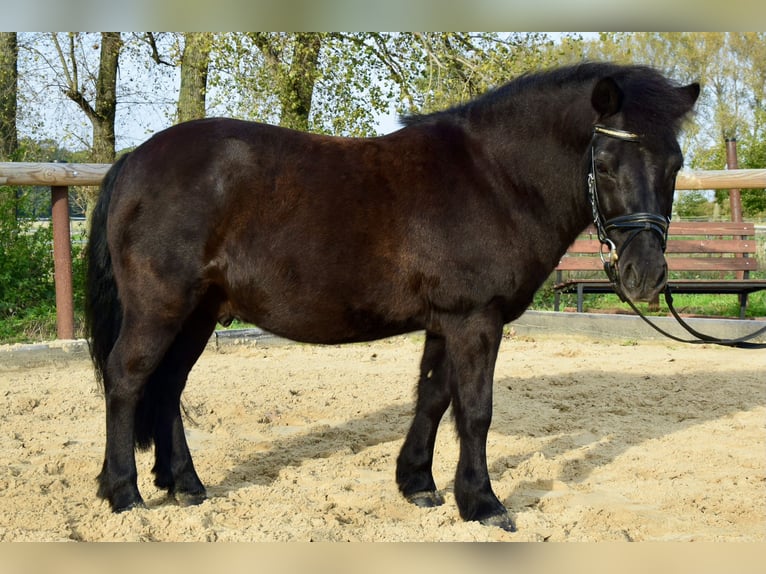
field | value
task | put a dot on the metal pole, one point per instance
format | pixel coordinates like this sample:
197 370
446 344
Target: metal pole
62 262
735 196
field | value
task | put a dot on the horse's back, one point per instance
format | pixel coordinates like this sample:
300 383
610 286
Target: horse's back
290 229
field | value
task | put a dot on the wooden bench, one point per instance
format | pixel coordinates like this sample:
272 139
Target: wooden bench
703 257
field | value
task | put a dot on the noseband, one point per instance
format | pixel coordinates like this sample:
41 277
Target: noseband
633 223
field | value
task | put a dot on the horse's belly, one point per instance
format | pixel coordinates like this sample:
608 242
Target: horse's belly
313 328
321 317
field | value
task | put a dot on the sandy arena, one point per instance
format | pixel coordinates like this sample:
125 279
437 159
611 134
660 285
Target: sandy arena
590 441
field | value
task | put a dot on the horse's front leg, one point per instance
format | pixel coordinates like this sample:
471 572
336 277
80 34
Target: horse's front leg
472 346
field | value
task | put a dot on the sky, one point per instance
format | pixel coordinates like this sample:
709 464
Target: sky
60 119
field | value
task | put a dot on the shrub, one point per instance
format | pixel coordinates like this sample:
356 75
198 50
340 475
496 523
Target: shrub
27 289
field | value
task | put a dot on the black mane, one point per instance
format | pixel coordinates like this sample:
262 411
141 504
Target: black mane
650 98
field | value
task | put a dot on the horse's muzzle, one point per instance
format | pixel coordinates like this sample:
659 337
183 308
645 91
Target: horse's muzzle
641 280
636 262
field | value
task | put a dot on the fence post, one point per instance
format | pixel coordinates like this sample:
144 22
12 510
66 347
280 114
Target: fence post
62 262
735 196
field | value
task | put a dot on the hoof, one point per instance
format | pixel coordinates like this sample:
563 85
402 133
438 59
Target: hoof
128 507
120 499
503 521
189 498
122 503
426 499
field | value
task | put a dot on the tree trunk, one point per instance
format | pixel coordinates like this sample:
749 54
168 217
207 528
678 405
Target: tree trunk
9 51
194 69
106 99
298 86
101 113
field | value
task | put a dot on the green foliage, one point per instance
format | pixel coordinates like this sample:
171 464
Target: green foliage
692 204
454 67
27 290
707 305
753 156
36 202
355 77
24 253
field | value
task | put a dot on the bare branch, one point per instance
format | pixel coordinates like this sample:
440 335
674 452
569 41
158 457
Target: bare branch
149 37
72 90
62 59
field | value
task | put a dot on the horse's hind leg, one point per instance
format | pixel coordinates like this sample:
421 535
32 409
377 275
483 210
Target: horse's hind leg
413 467
174 469
136 354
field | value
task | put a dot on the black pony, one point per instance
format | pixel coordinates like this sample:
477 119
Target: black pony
448 225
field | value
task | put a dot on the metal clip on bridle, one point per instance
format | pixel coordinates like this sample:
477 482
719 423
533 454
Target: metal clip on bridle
636 223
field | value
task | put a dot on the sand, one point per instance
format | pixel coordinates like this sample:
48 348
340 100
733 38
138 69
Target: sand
590 441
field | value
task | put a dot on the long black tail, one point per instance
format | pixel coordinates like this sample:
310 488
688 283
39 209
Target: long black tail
103 310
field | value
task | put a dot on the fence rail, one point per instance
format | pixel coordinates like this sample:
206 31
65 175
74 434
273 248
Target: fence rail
59 176
722 179
52 174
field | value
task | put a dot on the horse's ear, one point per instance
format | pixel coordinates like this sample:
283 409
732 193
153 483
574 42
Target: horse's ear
690 93
607 97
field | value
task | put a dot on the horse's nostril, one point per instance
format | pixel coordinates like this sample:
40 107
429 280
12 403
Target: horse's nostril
642 281
630 277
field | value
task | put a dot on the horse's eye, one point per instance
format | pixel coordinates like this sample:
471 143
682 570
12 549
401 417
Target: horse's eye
675 166
602 168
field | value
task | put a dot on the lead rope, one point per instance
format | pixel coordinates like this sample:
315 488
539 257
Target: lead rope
702 339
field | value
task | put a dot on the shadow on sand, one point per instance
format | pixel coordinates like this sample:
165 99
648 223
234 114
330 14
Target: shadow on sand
608 413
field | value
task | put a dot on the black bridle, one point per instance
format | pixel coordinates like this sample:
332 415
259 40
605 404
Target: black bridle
634 224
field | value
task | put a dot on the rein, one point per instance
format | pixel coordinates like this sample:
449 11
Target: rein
636 223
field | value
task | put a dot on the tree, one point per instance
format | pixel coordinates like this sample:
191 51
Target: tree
692 204
750 49
274 76
340 83
427 71
195 60
291 63
9 76
101 108
732 69
296 85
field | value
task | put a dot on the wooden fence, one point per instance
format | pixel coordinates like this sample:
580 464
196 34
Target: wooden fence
59 176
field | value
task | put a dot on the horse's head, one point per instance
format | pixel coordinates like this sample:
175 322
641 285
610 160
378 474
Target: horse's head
634 158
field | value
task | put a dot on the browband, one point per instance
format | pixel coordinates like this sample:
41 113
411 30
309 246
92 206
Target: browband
615 133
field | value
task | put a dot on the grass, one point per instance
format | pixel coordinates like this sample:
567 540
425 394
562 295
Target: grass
707 305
